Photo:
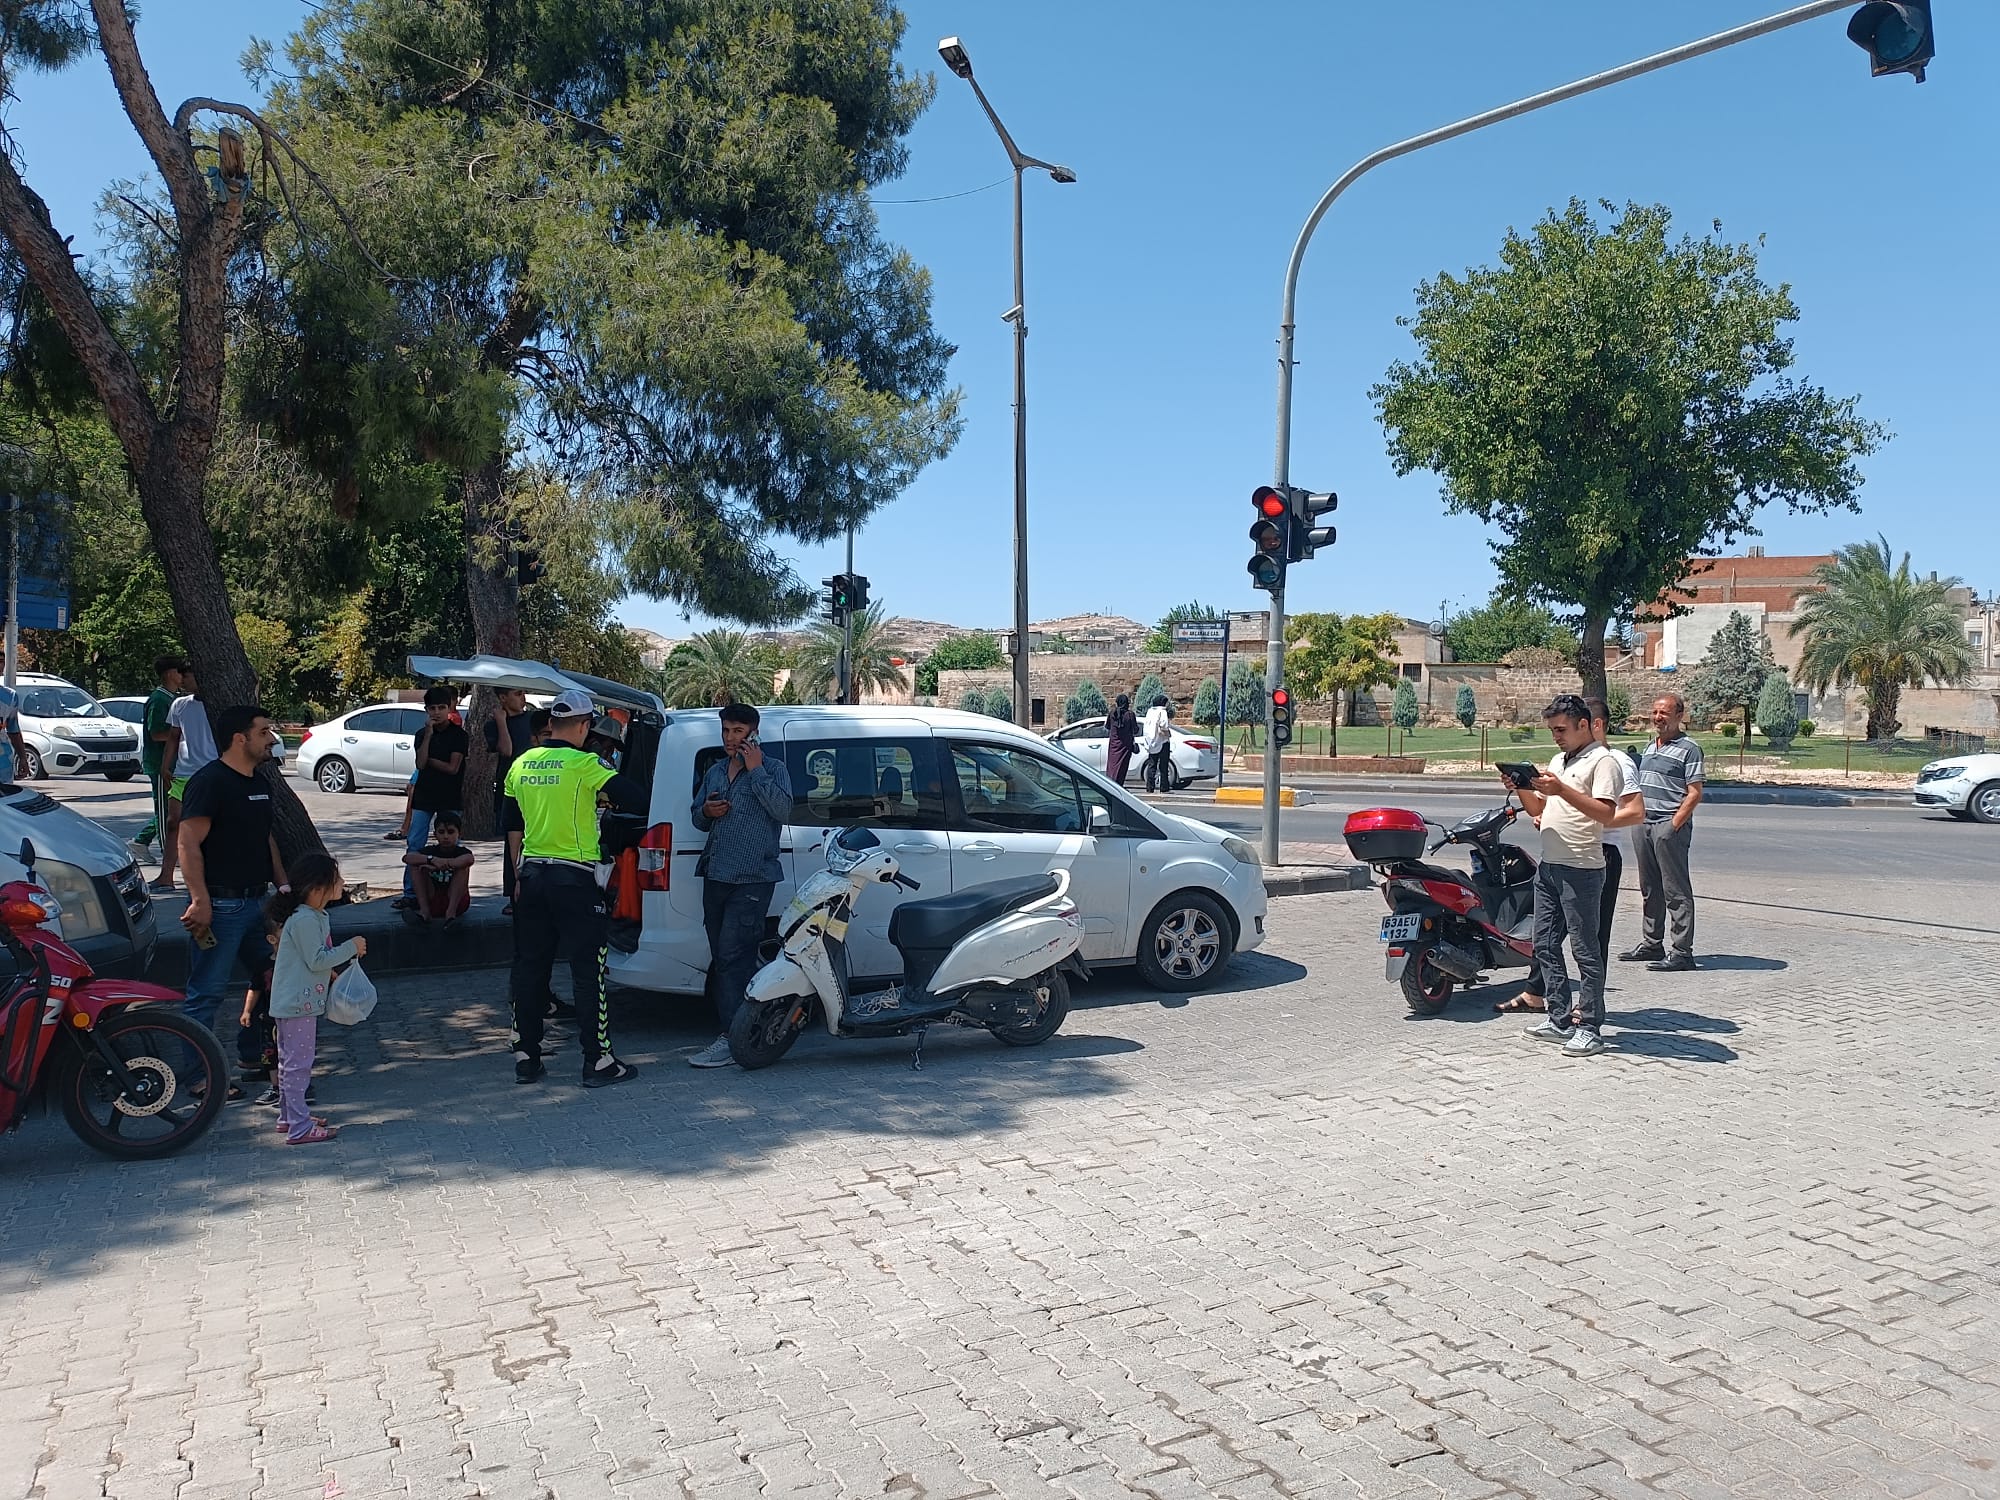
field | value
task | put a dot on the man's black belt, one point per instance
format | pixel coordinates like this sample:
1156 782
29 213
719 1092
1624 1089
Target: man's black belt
237 892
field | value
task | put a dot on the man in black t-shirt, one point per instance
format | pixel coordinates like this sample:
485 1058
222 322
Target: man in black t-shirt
508 734
228 858
441 747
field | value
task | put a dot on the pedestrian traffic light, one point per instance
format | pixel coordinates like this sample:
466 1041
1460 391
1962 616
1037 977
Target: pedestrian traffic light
1896 35
1269 538
1306 508
1281 716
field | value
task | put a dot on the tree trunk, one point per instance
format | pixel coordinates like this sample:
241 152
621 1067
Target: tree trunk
1590 658
495 598
1883 701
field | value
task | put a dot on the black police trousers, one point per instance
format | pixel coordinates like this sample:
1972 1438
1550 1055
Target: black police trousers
560 912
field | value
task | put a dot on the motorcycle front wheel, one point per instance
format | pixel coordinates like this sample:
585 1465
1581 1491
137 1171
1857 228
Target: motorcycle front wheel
178 1076
761 1034
1044 1019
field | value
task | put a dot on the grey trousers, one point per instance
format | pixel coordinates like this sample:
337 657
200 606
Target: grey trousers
1666 891
1566 898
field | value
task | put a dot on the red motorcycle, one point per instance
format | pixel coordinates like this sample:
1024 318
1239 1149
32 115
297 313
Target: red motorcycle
1446 925
135 1077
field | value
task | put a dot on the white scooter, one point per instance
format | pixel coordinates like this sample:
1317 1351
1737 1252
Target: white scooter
996 956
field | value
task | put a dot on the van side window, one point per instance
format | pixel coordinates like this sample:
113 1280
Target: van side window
704 758
865 783
1006 790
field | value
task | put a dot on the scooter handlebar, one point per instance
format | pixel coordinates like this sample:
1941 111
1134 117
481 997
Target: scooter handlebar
906 883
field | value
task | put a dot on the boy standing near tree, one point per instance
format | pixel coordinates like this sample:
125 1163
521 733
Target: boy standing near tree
441 747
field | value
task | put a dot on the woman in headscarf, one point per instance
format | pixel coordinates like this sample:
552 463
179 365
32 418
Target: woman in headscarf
1123 727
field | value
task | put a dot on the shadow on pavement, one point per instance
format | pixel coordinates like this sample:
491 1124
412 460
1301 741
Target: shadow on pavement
1659 1018
1246 974
1668 1045
1741 961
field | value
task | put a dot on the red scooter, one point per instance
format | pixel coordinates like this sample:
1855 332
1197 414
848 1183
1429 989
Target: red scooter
1446 926
135 1077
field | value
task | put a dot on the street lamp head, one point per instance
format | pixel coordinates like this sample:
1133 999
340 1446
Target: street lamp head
1062 174
955 56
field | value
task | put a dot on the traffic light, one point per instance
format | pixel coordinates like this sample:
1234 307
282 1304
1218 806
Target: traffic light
1896 35
1306 508
1281 716
857 592
1269 537
833 598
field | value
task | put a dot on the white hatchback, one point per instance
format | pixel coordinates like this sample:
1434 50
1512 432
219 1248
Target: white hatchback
1197 757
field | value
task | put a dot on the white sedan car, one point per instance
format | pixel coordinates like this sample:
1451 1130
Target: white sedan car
1197 757
1966 786
367 747
132 709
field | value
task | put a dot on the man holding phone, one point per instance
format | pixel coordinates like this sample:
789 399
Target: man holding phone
742 804
1574 801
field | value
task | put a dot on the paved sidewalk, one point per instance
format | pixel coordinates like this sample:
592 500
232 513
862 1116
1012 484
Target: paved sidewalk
1277 1240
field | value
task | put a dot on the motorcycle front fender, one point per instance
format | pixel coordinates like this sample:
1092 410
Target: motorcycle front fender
780 979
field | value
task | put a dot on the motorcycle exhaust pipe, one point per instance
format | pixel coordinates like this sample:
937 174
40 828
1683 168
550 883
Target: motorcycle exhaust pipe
1460 963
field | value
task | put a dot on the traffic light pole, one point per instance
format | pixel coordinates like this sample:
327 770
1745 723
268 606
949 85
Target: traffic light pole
847 693
1274 672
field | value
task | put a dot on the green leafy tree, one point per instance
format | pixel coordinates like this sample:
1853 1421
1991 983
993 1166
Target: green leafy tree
973 701
1208 702
1087 702
1876 626
1778 711
1333 657
717 667
876 650
1149 687
1732 671
958 653
1162 638
999 705
1465 706
1404 709
1246 700
1502 625
1618 704
1614 402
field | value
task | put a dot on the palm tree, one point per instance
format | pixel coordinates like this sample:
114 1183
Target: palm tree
818 668
717 667
1880 630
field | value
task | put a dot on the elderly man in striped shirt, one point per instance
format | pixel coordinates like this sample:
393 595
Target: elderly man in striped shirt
1670 777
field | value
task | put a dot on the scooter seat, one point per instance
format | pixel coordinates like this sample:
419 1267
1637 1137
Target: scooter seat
935 924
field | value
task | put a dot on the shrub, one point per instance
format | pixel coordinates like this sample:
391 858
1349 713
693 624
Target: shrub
1404 710
1208 701
1465 707
1728 730
973 701
1807 729
1151 686
999 705
1087 702
1618 703
1777 711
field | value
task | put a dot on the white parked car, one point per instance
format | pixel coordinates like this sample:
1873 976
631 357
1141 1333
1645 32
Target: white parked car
962 799
364 747
107 913
133 711
1966 786
68 732
1197 756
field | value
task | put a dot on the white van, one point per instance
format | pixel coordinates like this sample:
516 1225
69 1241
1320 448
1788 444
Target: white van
68 732
963 800
107 913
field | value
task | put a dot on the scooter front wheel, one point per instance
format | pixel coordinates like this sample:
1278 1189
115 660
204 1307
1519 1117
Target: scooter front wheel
178 1079
761 1034
1041 1019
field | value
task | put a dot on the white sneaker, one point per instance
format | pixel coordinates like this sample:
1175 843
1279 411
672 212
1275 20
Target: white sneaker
714 1055
1547 1031
1583 1042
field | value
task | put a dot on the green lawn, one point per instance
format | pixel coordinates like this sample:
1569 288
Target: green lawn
1816 754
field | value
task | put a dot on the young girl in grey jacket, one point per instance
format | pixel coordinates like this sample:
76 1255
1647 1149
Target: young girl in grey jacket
300 978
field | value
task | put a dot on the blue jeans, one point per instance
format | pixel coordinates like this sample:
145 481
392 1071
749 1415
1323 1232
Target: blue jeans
238 925
420 835
734 917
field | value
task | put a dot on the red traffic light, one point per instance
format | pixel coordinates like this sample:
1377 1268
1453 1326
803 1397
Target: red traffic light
1270 502
1281 698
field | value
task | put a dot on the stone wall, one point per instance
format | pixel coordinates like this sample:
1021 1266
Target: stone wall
1053 678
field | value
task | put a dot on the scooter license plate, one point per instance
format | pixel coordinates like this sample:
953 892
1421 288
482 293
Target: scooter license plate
1400 928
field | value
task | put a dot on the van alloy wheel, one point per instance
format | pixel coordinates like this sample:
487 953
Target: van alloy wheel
1185 942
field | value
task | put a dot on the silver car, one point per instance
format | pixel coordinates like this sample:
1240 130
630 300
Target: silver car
1197 756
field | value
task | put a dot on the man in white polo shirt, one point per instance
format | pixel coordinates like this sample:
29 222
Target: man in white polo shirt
1574 801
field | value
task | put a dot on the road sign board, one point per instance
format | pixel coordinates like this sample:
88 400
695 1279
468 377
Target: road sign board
1200 632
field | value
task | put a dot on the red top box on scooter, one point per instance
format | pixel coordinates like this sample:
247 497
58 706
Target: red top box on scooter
1385 835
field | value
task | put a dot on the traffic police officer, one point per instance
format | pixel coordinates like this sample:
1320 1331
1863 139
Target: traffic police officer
559 907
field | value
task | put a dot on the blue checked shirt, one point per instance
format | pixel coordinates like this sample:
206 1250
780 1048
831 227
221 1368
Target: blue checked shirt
743 842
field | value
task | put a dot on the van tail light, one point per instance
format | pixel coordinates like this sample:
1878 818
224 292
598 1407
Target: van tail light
656 857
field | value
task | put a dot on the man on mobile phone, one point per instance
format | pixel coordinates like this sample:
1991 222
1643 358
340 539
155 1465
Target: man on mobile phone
742 804
1574 801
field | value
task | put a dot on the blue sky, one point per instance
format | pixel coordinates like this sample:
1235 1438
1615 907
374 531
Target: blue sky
1200 144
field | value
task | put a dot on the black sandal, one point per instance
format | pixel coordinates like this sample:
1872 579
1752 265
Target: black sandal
1523 1002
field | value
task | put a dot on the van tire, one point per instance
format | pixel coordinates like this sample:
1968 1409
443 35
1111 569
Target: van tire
1185 943
124 775
32 768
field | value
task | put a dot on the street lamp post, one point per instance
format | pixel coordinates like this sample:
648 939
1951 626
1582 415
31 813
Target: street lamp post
1274 674
956 58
